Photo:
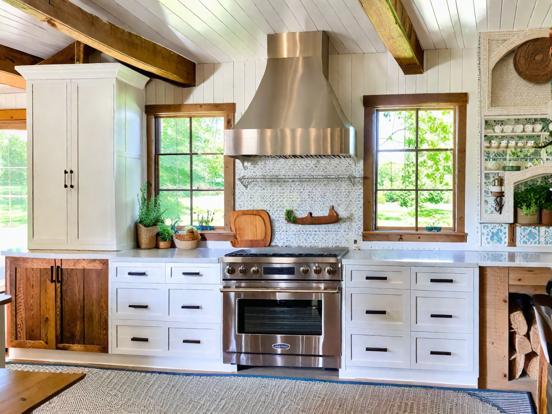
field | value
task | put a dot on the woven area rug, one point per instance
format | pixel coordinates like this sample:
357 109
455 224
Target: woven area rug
125 391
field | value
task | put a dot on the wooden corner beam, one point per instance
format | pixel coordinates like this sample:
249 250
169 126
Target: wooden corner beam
395 29
76 52
9 59
110 39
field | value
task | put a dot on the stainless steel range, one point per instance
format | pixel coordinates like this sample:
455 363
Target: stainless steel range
282 307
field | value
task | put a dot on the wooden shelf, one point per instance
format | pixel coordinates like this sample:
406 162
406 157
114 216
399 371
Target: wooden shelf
514 134
532 225
511 148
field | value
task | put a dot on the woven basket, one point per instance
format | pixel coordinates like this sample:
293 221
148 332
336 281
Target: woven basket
186 244
147 236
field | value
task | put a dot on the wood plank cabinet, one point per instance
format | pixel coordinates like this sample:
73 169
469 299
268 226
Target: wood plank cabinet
58 304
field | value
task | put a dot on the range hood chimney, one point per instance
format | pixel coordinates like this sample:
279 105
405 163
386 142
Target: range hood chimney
294 112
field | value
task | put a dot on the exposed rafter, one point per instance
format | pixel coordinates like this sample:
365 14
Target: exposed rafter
110 39
76 52
395 29
9 59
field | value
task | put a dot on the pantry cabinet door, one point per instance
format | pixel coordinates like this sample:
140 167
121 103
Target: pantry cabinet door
48 152
91 202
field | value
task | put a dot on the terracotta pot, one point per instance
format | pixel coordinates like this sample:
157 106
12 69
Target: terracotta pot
546 217
523 219
164 244
147 236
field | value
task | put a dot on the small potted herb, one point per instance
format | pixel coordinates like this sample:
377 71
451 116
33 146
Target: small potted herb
164 237
149 216
205 220
527 203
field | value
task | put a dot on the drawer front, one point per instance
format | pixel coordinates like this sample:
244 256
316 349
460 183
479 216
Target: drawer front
140 340
380 351
194 274
382 309
195 305
141 303
147 273
443 353
443 279
435 312
198 342
381 277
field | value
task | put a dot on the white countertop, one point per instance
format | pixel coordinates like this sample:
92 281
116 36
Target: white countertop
374 257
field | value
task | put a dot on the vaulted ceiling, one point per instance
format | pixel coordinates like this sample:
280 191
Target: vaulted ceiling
226 30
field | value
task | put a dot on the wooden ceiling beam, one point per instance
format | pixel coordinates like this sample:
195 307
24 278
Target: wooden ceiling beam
395 29
110 39
9 59
76 52
13 118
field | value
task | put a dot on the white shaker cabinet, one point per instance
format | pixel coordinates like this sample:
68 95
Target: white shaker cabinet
85 149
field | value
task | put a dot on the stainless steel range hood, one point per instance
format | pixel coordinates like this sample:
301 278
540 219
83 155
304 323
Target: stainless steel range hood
294 112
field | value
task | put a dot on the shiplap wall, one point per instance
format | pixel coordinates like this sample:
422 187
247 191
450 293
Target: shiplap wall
12 100
352 76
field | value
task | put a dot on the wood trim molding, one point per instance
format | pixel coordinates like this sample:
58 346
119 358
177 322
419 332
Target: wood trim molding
391 21
9 59
13 119
110 39
226 110
372 103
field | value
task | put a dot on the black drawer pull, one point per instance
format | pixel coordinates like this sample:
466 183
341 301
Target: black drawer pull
139 306
190 307
191 274
376 278
191 341
138 339
441 315
372 349
445 353
441 280
137 273
375 312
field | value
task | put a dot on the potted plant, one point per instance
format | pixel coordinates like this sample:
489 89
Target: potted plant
149 216
164 237
205 220
187 239
527 205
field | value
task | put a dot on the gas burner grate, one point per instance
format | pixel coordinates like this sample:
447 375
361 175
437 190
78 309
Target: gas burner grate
247 253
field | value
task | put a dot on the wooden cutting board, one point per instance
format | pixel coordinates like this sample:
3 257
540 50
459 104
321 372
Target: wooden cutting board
251 228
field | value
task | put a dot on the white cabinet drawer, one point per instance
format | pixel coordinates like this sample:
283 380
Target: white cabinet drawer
380 351
146 273
140 303
442 311
140 340
195 305
195 342
194 274
379 309
383 277
444 279
451 353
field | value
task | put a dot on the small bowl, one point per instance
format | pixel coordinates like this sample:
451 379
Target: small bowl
518 128
520 144
512 143
504 143
186 244
433 229
530 144
507 128
528 128
537 127
495 144
498 129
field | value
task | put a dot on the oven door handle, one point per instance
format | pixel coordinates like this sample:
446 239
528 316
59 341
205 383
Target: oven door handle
238 290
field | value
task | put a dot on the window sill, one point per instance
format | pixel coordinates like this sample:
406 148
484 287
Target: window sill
414 236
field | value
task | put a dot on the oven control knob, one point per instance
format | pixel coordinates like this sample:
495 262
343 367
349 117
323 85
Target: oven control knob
304 269
330 270
255 270
317 269
242 270
230 270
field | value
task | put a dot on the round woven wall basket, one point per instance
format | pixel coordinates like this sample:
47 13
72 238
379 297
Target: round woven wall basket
532 60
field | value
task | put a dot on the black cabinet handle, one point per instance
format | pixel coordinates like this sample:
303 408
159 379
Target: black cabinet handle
137 274
191 341
441 315
65 172
196 274
52 280
376 277
59 275
138 339
190 307
375 312
441 280
444 353
71 179
138 306
373 349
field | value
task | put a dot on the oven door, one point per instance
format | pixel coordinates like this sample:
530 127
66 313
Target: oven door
282 318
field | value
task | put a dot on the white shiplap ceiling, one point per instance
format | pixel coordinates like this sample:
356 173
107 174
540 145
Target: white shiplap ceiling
227 30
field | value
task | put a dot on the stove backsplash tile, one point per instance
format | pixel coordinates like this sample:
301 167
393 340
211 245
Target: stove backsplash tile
296 184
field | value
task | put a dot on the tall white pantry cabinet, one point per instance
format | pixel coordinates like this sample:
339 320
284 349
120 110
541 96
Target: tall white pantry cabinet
84 126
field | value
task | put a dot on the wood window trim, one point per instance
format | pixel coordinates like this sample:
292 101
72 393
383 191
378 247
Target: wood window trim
13 119
225 110
372 103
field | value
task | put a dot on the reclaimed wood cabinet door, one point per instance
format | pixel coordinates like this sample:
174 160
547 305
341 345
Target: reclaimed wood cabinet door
32 312
82 305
